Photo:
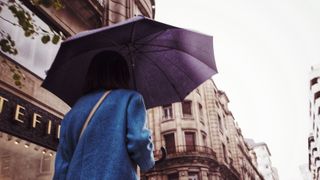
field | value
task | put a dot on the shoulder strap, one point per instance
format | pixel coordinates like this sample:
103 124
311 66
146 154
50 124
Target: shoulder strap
93 111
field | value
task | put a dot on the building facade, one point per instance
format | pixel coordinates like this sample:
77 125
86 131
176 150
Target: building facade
201 138
305 172
314 112
264 163
30 116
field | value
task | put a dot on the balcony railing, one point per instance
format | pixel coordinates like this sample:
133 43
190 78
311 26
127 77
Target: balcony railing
188 150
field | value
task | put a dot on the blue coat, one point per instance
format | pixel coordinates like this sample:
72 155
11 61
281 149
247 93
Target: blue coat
115 141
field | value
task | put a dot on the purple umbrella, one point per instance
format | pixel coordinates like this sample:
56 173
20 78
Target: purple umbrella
166 62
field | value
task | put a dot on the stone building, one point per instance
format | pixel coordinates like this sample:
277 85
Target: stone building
263 156
314 112
29 115
200 134
202 139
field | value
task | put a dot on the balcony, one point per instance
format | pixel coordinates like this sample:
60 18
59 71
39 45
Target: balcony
188 150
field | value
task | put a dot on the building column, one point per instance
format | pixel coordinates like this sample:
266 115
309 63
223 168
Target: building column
178 119
216 174
204 173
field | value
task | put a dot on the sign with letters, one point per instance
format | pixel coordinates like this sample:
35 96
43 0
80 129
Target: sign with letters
27 121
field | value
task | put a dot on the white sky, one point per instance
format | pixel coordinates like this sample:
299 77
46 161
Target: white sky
264 51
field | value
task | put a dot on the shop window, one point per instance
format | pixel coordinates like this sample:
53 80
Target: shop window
5 165
190 141
186 108
174 176
167 112
45 164
21 159
170 143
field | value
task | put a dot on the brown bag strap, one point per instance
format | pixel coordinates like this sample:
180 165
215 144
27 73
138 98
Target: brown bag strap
93 111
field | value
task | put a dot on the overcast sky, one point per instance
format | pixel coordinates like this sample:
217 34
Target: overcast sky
264 51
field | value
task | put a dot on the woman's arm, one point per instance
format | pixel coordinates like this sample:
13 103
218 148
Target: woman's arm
63 154
139 139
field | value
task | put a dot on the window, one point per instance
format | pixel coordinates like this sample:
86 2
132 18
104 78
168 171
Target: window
167 112
198 92
313 124
174 176
190 141
33 54
170 143
316 96
186 108
231 161
5 165
200 112
204 140
224 153
20 159
217 104
313 81
45 164
220 123
193 176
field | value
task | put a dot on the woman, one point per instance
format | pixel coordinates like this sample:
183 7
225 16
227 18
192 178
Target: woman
116 139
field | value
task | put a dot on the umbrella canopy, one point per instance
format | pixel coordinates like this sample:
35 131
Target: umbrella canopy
166 62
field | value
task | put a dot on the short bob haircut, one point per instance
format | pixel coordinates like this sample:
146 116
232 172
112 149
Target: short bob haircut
108 70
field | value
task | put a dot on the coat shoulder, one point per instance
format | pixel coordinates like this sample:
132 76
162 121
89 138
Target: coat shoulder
127 92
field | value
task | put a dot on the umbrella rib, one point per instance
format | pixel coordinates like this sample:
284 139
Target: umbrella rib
157 35
175 89
138 50
170 49
154 51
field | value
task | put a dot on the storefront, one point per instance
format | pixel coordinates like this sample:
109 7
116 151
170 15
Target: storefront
30 116
29 120
29 136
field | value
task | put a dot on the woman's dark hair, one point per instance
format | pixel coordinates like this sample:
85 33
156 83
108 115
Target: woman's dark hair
108 70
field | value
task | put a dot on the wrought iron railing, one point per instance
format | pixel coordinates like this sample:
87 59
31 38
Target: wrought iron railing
187 150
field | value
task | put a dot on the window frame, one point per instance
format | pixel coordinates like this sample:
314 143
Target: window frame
174 148
190 147
186 114
167 109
